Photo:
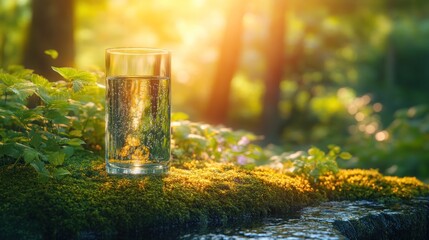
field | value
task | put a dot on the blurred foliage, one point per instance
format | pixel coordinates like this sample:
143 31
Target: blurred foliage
400 149
199 141
14 19
349 67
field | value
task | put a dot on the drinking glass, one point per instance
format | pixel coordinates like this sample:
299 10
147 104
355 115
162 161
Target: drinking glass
137 111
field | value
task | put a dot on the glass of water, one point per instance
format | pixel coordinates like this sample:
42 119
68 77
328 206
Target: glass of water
137 111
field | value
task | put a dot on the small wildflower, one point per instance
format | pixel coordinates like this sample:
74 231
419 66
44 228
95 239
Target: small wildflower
242 160
235 148
243 141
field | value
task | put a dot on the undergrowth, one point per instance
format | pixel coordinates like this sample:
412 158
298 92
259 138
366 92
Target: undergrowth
64 119
70 118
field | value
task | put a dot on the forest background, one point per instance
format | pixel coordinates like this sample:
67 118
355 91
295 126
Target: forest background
298 73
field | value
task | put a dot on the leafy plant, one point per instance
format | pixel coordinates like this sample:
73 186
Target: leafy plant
312 163
47 135
206 142
201 141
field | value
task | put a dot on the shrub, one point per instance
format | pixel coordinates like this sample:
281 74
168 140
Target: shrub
53 130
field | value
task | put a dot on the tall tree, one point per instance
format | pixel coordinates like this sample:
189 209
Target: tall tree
51 27
269 122
217 107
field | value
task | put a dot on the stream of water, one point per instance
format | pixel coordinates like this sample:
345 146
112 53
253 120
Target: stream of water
310 223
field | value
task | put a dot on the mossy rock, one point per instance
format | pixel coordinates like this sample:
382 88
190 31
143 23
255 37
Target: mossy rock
193 195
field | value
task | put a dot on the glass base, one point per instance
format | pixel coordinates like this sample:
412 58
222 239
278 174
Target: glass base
145 169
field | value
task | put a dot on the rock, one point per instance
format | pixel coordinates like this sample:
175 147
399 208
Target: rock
339 220
407 220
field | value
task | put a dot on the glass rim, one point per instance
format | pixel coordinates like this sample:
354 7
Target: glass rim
137 51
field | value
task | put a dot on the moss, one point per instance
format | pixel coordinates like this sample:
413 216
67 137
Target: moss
370 184
197 194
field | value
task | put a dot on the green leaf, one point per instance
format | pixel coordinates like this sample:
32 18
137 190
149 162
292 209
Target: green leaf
229 136
36 139
75 133
75 142
52 144
56 158
9 79
61 105
345 155
334 150
77 85
58 96
68 151
23 89
29 116
44 87
313 151
52 52
72 74
56 117
19 71
59 173
177 152
44 94
315 173
39 166
180 130
4 113
30 155
40 81
9 149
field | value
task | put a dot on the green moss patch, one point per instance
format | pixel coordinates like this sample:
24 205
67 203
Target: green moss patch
357 184
194 195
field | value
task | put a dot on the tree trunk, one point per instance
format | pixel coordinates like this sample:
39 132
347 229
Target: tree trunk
270 119
218 102
51 28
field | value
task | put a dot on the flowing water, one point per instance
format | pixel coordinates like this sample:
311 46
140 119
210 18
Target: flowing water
325 222
330 220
